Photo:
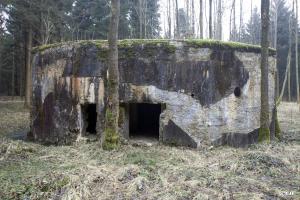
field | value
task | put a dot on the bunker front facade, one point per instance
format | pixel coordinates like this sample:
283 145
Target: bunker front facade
191 93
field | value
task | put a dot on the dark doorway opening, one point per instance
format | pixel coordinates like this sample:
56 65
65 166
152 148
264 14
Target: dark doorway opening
237 92
144 120
89 115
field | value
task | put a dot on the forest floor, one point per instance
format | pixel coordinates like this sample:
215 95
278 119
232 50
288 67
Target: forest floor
84 171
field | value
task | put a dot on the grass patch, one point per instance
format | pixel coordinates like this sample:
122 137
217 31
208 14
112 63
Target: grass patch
33 171
140 158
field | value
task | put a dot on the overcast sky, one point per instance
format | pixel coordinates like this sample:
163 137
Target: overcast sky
226 15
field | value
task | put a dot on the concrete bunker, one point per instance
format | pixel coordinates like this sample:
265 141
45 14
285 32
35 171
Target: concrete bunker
191 93
144 120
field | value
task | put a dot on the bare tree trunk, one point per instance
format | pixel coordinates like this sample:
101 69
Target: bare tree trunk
296 49
276 23
28 88
145 7
232 19
288 65
230 22
22 77
241 20
201 19
251 22
140 19
111 133
0 66
210 19
215 16
275 42
219 21
177 19
264 131
187 10
289 86
169 19
174 19
193 17
13 75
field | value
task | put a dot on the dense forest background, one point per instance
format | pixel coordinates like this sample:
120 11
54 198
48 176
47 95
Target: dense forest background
28 23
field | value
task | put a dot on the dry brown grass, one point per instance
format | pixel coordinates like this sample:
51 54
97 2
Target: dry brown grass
84 171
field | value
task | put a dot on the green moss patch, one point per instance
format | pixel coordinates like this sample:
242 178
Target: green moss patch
264 135
215 44
111 136
166 45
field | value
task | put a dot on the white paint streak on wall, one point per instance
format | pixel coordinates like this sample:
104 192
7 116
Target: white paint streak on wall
229 115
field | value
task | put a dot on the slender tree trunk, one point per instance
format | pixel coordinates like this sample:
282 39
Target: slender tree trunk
289 86
219 21
140 18
188 15
28 89
174 19
296 49
232 20
264 131
241 20
145 7
0 67
22 77
13 75
251 22
111 135
201 19
288 65
177 19
193 17
275 43
215 16
169 19
275 24
210 20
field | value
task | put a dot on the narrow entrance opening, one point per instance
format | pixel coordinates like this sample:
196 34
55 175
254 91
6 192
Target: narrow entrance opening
144 120
89 115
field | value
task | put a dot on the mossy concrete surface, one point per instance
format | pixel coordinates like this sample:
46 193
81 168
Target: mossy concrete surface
199 76
33 171
164 43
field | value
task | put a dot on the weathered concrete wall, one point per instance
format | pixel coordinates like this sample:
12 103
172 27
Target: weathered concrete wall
195 82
